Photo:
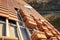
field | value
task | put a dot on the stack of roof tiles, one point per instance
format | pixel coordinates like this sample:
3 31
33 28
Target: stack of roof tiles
33 19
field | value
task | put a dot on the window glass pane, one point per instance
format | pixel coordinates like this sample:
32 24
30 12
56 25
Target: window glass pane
13 28
4 30
2 26
13 31
1 29
31 31
12 22
21 23
24 33
18 15
2 19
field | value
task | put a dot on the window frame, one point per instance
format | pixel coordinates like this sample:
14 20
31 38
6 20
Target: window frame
23 26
